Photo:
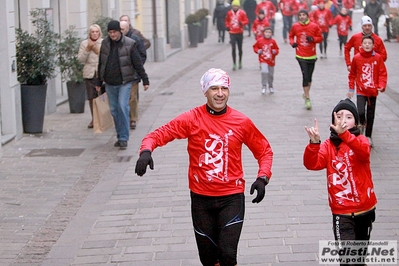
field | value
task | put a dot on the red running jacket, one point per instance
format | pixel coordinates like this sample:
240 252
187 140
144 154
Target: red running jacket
214 148
355 42
236 21
323 18
369 73
349 182
343 23
298 34
259 26
269 49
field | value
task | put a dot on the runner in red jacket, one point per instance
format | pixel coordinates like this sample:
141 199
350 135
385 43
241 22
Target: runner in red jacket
344 23
260 23
346 158
288 9
303 37
270 11
267 49
236 19
355 41
369 73
215 133
323 17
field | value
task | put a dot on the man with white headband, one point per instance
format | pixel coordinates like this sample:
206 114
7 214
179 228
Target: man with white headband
215 134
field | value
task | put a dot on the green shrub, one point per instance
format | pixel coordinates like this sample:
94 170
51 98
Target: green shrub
192 19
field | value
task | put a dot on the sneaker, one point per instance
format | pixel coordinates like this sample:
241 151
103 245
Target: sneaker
321 55
234 67
271 90
304 97
308 104
325 55
263 89
370 141
133 125
240 65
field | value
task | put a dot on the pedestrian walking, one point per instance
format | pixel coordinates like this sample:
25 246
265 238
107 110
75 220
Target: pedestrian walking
267 50
215 133
369 73
344 24
346 158
356 41
374 10
303 38
119 64
236 19
323 17
260 24
88 56
288 9
134 91
219 17
135 31
249 8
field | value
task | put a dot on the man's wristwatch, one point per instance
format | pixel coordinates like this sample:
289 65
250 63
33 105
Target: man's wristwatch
264 178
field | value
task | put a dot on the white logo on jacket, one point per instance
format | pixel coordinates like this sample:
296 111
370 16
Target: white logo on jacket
367 77
216 156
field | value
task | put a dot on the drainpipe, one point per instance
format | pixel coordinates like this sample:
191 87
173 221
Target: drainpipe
155 30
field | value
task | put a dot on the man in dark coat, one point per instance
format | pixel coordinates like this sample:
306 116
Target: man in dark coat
219 16
249 8
374 10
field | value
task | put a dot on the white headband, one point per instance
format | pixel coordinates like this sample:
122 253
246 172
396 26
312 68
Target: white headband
214 77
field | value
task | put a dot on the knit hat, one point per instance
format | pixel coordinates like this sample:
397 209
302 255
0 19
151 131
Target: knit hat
346 104
214 77
366 20
235 3
303 11
261 11
114 25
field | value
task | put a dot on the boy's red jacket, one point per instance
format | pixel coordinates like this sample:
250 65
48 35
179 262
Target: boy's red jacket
298 34
323 18
349 181
214 148
269 49
236 21
259 26
343 23
355 42
369 72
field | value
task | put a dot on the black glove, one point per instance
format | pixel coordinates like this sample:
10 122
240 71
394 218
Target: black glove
294 45
144 160
259 185
350 28
228 29
309 38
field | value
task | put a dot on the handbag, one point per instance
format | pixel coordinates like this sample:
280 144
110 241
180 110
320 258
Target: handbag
102 118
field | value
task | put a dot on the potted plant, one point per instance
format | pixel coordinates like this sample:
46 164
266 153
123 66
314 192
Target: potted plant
395 27
203 14
193 24
72 70
35 53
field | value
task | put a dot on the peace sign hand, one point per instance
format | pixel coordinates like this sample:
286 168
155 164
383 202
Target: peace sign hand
313 132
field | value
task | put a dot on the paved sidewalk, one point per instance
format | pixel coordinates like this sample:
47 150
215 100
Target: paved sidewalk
68 197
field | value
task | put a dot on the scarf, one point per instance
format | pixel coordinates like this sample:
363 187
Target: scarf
336 140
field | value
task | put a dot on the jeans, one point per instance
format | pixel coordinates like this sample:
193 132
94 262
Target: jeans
118 96
287 22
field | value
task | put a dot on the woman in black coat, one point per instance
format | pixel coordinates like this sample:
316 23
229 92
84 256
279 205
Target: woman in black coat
219 16
249 8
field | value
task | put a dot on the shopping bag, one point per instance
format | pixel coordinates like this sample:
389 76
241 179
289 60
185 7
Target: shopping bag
102 118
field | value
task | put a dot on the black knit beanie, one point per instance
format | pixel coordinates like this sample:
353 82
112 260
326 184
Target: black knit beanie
303 11
346 104
114 25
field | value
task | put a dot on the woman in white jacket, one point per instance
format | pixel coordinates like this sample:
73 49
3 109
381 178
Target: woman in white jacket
88 55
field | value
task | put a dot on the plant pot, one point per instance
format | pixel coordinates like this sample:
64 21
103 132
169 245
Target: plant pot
201 35
204 24
76 96
33 100
193 34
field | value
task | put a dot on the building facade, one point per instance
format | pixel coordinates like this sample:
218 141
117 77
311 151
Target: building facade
160 21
